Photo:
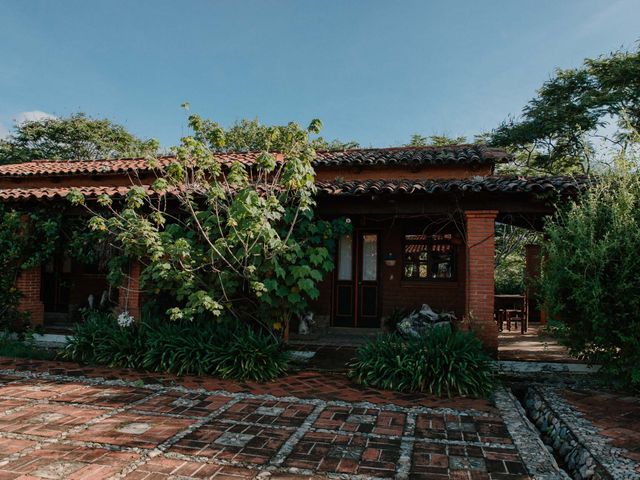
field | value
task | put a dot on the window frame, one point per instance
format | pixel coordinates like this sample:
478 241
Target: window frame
429 241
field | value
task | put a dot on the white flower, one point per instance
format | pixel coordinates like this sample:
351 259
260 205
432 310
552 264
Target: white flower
125 320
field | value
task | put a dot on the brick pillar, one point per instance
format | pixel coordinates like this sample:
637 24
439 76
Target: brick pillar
532 275
28 283
129 295
479 293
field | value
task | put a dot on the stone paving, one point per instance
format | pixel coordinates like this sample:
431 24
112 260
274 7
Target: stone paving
533 346
62 421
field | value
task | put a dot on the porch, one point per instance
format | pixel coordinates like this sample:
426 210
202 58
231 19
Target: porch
423 231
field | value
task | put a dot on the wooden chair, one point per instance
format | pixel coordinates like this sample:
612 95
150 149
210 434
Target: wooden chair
516 316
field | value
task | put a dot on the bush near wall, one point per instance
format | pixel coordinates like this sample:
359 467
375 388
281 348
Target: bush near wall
591 278
200 348
442 362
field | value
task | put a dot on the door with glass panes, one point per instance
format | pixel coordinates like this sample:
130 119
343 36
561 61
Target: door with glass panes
356 299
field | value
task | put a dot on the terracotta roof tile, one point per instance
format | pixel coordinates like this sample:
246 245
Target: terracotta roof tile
93 167
60 193
405 156
413 156
565 185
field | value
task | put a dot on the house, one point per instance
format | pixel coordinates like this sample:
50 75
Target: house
423 229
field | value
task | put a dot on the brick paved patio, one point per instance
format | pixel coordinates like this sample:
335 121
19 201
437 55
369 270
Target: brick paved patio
55 425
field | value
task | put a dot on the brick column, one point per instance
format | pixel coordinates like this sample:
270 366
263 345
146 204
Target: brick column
479 294
28 283
533 267
129 295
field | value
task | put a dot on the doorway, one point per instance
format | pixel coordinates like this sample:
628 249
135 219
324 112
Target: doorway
357 289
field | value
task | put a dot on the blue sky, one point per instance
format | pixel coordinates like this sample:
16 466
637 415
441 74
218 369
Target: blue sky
373 71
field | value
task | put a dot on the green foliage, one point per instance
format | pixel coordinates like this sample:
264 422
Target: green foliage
591 278
199 348
509 274
418 140
100 340
245 243
184 347
252 136
77 137
444 362
27 239
510 257
556 131
251 356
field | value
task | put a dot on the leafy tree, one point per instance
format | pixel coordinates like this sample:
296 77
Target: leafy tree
591 278
77 137
560 128
252 136
320 143
237 240
418 140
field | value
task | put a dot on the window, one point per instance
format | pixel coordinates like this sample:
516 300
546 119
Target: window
428 257
345 260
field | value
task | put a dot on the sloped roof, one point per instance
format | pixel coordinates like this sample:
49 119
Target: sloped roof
413 156
564 185
46 193
374 157
93 167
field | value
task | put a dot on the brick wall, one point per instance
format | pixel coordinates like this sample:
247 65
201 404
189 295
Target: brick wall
394 292
28 283
441 295
480 240
129 294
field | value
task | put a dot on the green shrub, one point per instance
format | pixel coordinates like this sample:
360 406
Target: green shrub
251 355
179 347
100 340
591 278
184 347
444 362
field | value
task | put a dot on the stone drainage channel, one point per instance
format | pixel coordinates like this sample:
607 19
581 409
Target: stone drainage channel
579 451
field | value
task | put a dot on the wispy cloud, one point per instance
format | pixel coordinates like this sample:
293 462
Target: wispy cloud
608 16
21 117
32 116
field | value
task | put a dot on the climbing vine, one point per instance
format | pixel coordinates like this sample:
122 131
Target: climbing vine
27 239
30 237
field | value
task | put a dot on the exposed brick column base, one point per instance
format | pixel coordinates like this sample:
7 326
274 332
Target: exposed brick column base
533 265
479 294
129 296
28 283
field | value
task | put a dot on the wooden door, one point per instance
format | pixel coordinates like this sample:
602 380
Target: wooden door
56 284
368 267
356 281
